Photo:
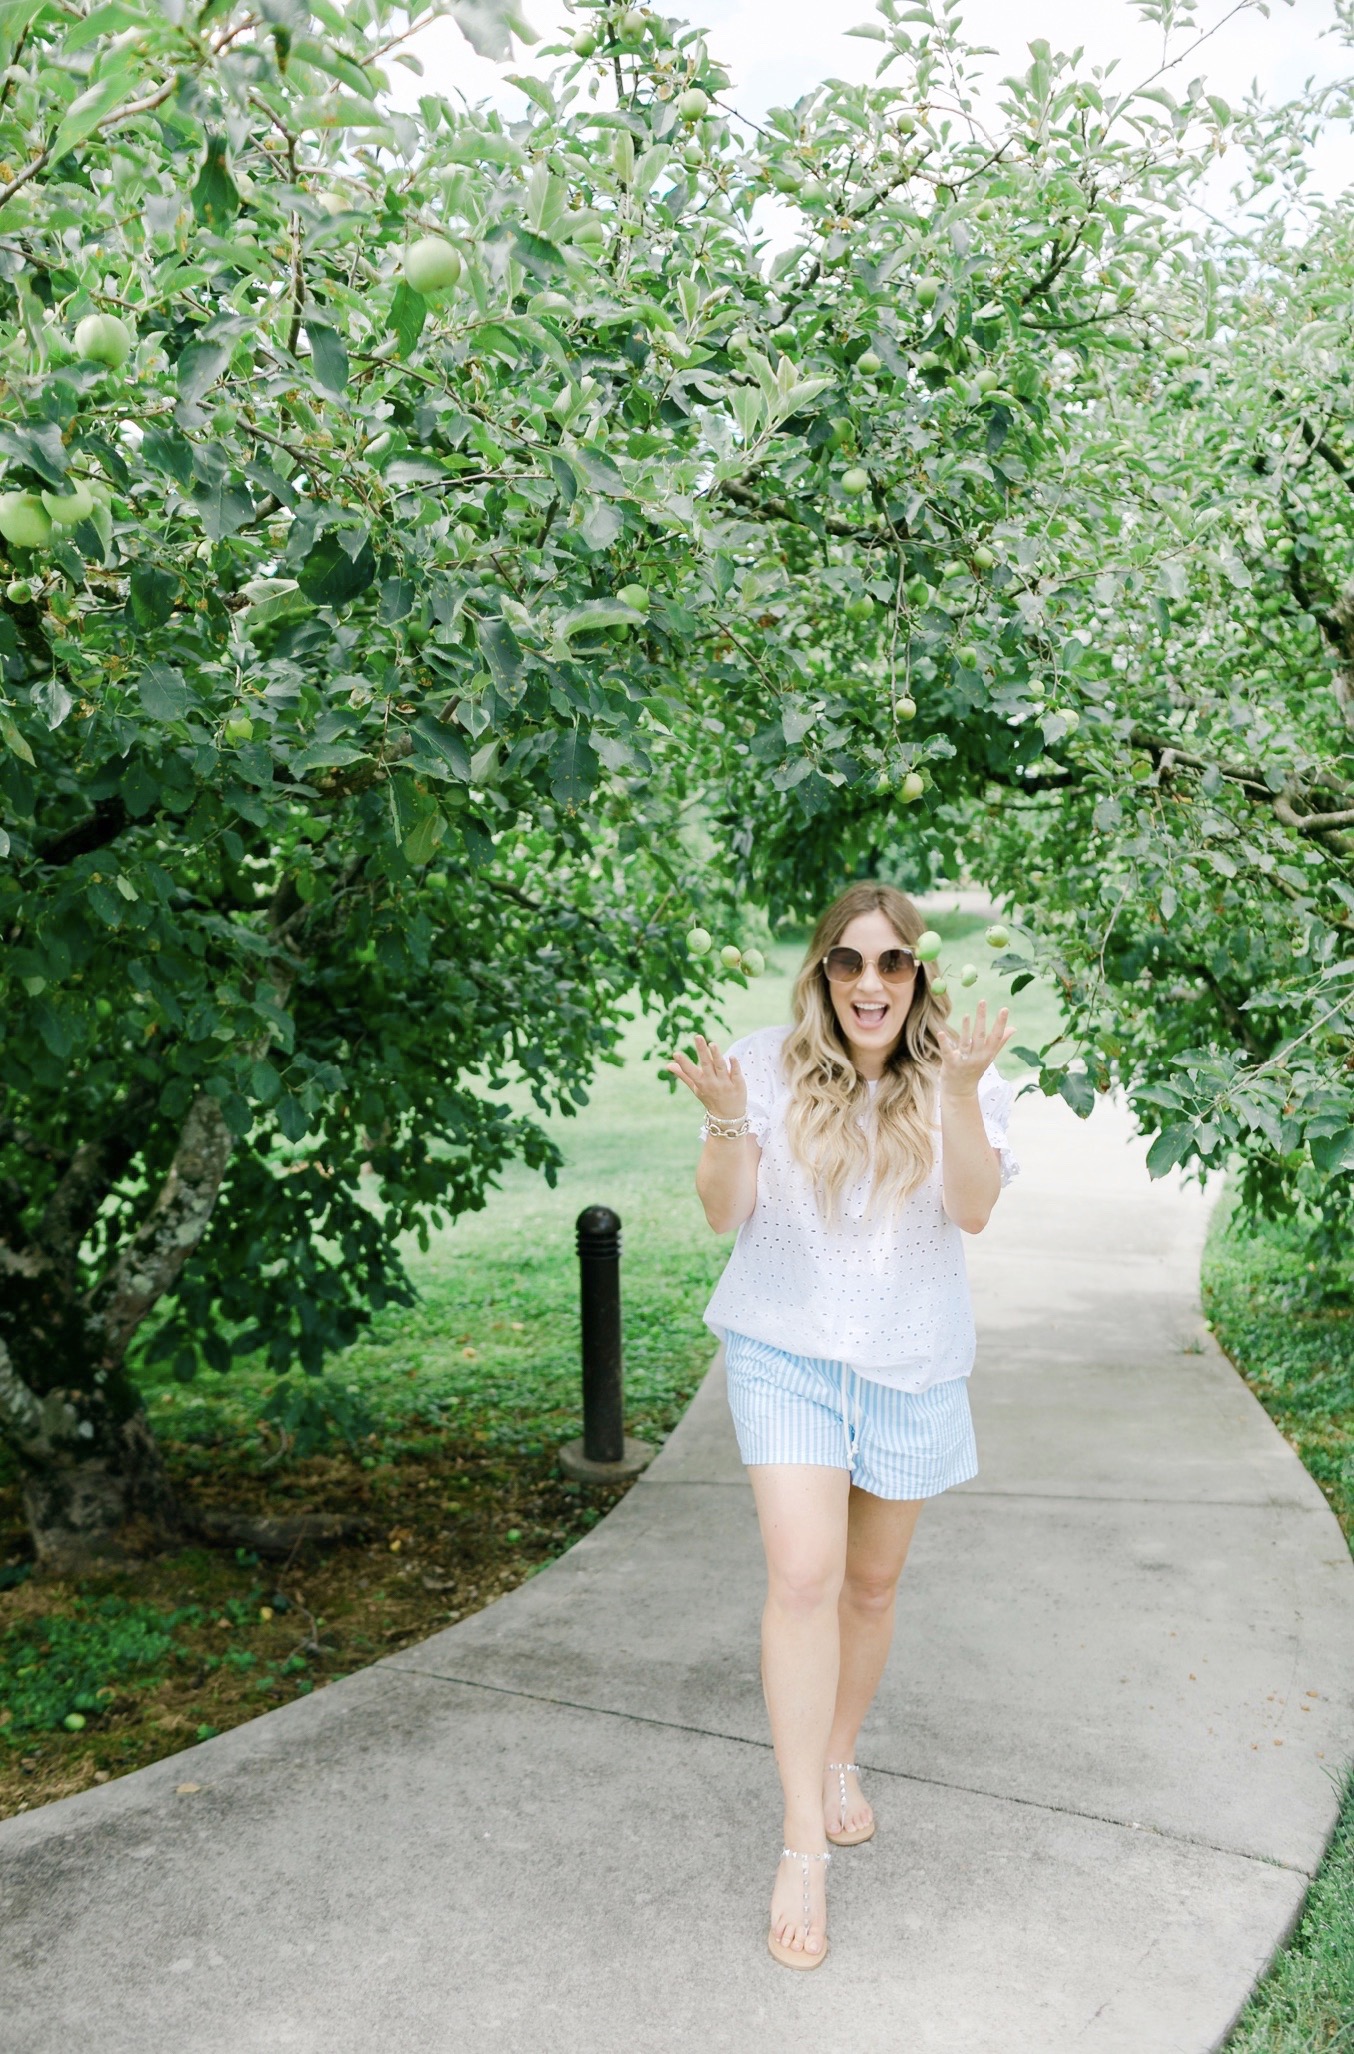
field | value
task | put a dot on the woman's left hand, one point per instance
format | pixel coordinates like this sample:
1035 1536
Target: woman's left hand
965 1055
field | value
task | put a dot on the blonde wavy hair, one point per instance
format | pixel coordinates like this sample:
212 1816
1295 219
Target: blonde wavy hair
828 1095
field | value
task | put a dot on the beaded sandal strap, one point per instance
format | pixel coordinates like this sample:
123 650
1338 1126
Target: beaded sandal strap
843 1769
793 1854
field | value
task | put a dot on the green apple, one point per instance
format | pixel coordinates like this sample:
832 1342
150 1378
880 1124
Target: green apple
855 481
698 941
918 592
24 520
984 558
584 43
239 728
954 568
68 509
74 1722
928 291
997 937
984 210
731 955
104 339
906 709
754 962
906 124
693 152
927 946
987 381
1175 357
967 656
912 787
431 265
19 592
1070 718
869 362
693 104
631 26
841 432
861 607
635 597
939 987
930 360
969 974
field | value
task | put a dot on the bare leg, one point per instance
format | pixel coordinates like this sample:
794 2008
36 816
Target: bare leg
879 1533
803 1514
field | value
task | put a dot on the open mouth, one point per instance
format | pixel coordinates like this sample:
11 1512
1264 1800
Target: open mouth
868 1015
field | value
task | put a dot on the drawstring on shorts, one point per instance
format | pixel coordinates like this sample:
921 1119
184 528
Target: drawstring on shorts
850 1402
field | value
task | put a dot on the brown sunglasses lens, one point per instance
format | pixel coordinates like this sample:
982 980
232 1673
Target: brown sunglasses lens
843 966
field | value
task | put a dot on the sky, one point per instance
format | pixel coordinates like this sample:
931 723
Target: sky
774 50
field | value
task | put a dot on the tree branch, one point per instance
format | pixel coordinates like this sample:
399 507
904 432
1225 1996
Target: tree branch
90 1174
781 510
21 1420
150 1262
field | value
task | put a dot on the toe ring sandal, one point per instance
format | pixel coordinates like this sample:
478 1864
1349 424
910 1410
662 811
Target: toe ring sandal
797 1957
842 1838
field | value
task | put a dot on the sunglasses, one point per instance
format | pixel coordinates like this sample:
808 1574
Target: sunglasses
844 966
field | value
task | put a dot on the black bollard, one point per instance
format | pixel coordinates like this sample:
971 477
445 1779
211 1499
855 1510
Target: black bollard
599 1298
605 1451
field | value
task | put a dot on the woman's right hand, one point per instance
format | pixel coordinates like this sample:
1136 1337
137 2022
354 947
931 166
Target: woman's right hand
715 1080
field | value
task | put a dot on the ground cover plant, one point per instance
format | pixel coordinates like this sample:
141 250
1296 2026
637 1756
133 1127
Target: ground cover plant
464 1399
1287 1322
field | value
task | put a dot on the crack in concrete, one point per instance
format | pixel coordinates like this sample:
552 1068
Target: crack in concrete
896 1775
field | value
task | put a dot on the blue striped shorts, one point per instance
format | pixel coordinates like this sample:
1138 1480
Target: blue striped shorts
800 1408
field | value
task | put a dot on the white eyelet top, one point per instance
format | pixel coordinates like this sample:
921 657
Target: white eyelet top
888 1295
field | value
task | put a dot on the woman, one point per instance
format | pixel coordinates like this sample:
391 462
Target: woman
852 1151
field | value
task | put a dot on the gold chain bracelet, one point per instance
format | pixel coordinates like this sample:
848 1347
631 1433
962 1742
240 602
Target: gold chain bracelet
712 1127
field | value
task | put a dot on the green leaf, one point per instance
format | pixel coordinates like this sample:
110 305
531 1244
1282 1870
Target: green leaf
15 740
330 576
199 366
434 738
1169 1148
52 1028
216 201
151 595
87 110
170 454
502 653
37 444
419 845
1077 1088
1332 1152
163 692
573 767
224 508
407 317
328 355
592 615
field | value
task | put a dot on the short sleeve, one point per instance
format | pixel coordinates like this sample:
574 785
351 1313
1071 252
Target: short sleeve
996 1098
755 1060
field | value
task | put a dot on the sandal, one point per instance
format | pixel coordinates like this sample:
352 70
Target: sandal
797 1957
843 1838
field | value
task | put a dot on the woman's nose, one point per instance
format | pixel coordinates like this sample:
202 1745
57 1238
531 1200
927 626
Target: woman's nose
870 982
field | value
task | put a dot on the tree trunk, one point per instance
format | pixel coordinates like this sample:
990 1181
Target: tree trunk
93 1479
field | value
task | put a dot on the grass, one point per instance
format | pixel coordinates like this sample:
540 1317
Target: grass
1290 1334
467 1396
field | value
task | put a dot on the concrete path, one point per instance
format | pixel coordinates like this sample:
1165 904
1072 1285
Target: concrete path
1106 1757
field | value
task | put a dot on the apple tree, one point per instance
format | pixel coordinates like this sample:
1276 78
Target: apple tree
445 555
